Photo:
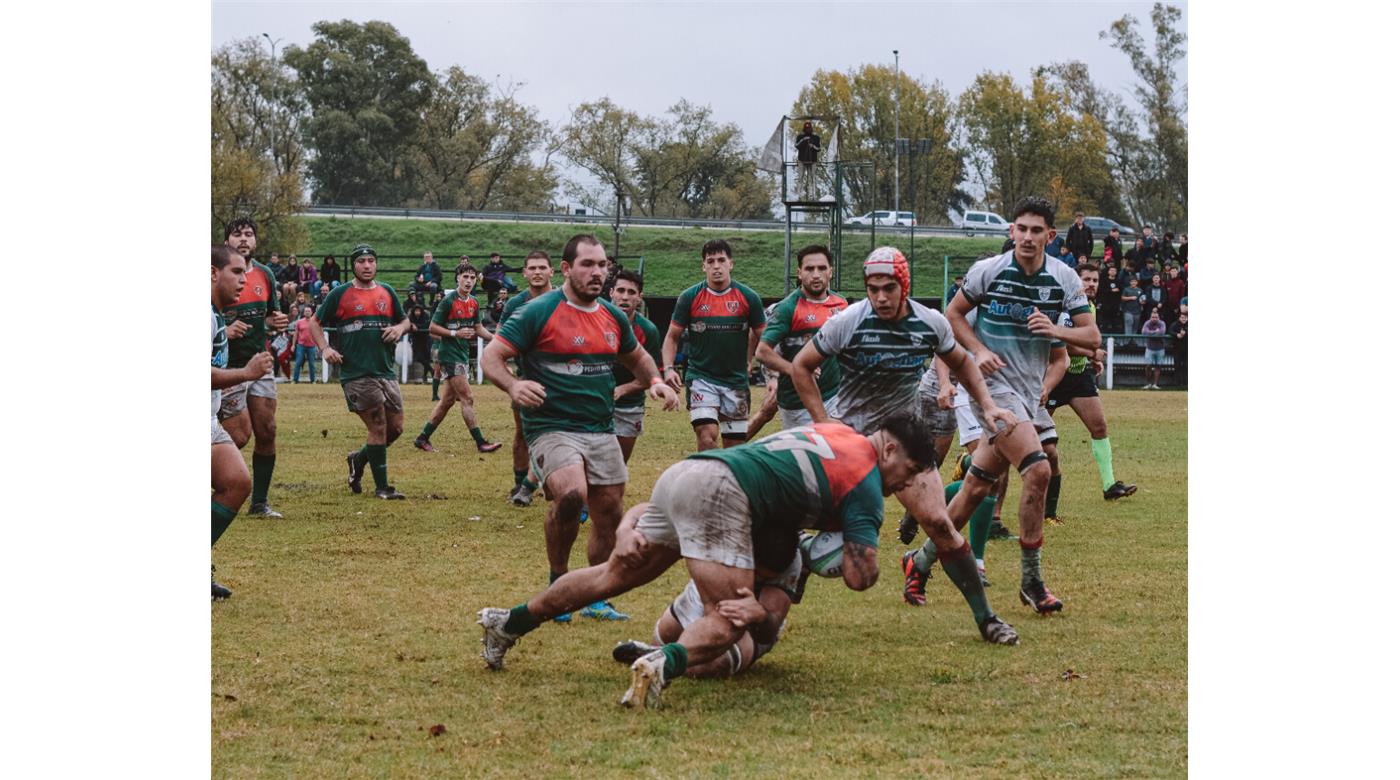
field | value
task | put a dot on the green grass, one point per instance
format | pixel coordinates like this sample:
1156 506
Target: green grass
351 632
672 256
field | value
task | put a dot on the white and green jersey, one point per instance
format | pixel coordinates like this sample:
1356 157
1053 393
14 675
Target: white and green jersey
881 362
218 357
1005 297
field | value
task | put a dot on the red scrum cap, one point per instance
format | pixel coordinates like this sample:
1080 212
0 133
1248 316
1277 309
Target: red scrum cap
890 261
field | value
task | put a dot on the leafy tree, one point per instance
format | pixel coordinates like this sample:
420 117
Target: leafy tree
367 91
1161 195
681 164
1021 143
471 143
864 101
256 156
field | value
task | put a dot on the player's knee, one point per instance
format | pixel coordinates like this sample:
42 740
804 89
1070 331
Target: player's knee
571 503
1098 429
1035 469
236 486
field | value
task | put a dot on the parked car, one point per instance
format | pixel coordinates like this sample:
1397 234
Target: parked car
905 219
974 222
1101 226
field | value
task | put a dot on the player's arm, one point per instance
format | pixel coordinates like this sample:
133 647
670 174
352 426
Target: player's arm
276 320
523 392
946 391
860 567
669 347
771 359
754 334
644 369
328 353
763 614
804 380
482 333
984 358
1084 333
1054 371
257 367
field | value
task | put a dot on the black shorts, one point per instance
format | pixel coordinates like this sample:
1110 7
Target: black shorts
1081 385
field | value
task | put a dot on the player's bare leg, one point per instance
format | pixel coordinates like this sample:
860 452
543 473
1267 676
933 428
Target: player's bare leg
568 488
382 427
923 498
231 484
627 443
1021 446
262 412
239 428
706 435
523 492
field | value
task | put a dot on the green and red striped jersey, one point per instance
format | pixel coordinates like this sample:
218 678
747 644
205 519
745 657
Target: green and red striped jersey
719 324
360 317
258 299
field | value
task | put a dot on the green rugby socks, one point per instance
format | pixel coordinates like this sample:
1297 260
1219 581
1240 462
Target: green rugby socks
262 476
379 465
961 568
476 434
1103 456
436 381
521 622
520 475
221 517
979 528
428 429
676 659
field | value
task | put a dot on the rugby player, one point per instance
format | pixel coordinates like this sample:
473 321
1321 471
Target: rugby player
724 319
539 279
882 344
1019 296
795 319
1080 392
369 320
249 409
708 509
629 396
456 321
568 340
228 474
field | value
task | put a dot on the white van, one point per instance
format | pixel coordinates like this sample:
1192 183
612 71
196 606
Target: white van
974 222
888 218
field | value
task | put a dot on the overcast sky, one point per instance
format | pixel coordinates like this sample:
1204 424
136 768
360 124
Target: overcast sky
747 60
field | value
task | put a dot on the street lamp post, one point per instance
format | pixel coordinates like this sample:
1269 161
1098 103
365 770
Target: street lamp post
272 111
896 136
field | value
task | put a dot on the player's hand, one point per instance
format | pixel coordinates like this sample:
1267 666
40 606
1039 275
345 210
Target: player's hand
816 373
663 391
277 320
236 329
995 414
673 379
988 362
390 335
1040 324
945 396
331 356
743 611
1097 366
527 394
260 364
630 547
619 391
1044 394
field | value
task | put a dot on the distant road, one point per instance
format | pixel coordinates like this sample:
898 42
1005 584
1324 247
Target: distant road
379 212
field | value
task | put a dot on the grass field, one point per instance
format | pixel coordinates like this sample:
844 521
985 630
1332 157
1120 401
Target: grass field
351 632
672 256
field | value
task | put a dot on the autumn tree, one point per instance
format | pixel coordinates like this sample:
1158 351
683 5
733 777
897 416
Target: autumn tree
366 91
256 155
1030 142
473 148
864 101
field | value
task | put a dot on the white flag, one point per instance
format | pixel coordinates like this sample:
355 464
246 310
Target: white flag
832 155
772 158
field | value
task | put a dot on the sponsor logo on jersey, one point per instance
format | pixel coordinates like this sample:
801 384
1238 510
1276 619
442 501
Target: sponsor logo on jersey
359 307
697 327
1004 288
579 341
870 338
704 308
811 318
576 367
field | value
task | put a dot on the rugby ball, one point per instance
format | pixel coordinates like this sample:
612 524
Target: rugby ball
822 553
